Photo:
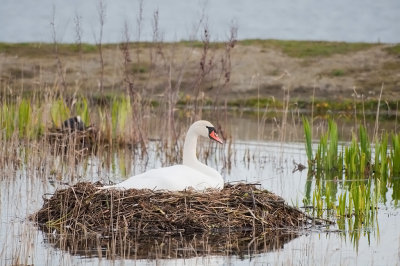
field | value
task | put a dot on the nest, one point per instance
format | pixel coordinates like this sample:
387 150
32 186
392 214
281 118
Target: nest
235 214
81 141
241 207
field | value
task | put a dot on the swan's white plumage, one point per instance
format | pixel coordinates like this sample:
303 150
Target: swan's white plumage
190 174
173 178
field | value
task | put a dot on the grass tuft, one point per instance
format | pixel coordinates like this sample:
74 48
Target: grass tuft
394 50
306 49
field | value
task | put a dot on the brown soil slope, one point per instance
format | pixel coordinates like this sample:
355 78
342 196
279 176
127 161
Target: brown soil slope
246 71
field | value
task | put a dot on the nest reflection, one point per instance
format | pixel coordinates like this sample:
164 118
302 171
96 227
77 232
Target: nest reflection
167 246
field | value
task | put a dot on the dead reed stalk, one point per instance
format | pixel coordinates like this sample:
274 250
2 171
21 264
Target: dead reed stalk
376 127
60 67
101 9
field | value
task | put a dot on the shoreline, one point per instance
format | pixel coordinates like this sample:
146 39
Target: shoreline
244 72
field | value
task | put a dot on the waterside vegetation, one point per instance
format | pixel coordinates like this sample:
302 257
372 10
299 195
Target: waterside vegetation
348 181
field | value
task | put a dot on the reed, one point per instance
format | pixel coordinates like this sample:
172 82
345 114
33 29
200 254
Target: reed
332 151
308 139
317 200
365 173
395 155
121 110
365 144
342 204
351 159
59 112
328 163
114 118
82 110
8 120
383 173
24 112
29 120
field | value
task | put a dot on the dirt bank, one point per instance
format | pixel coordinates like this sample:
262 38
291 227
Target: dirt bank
335 71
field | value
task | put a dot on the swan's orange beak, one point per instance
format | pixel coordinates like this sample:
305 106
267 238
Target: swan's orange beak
213 135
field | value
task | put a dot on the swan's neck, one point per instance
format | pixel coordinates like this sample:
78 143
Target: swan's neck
189 149
190 158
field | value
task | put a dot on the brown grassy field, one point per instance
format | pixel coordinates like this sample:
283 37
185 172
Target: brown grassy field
252 68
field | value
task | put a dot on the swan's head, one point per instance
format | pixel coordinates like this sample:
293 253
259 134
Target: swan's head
206 129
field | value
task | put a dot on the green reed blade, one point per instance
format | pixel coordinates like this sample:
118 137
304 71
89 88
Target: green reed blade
377 165
114 117
356 198
123 112
333 145
362 164
308 135
59 112
38 127
24 112
83 111
8 119
365 144
383 153
395 155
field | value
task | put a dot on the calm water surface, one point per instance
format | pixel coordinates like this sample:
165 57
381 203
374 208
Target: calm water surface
340 20
271 164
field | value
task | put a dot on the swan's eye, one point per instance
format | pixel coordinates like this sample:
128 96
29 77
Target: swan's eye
212 133
210 130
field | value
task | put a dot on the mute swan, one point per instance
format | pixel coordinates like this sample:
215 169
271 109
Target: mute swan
190 174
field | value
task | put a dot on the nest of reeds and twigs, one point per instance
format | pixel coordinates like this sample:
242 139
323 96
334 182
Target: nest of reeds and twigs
79 141
229 221
241 207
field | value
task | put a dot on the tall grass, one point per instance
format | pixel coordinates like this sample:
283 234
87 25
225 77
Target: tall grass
395 155
24 114
29 119
308 139
332 153
326 156
121 110
8 120
59 112
364 173
82 110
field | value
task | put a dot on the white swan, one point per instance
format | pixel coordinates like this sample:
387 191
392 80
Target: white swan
190 174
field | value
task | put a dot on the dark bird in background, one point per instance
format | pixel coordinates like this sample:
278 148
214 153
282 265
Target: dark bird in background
74 123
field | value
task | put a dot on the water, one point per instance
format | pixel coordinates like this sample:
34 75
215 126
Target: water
358 21
270 163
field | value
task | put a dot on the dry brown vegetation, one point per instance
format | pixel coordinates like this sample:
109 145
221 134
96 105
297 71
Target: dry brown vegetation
200 69
84 208
237 214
